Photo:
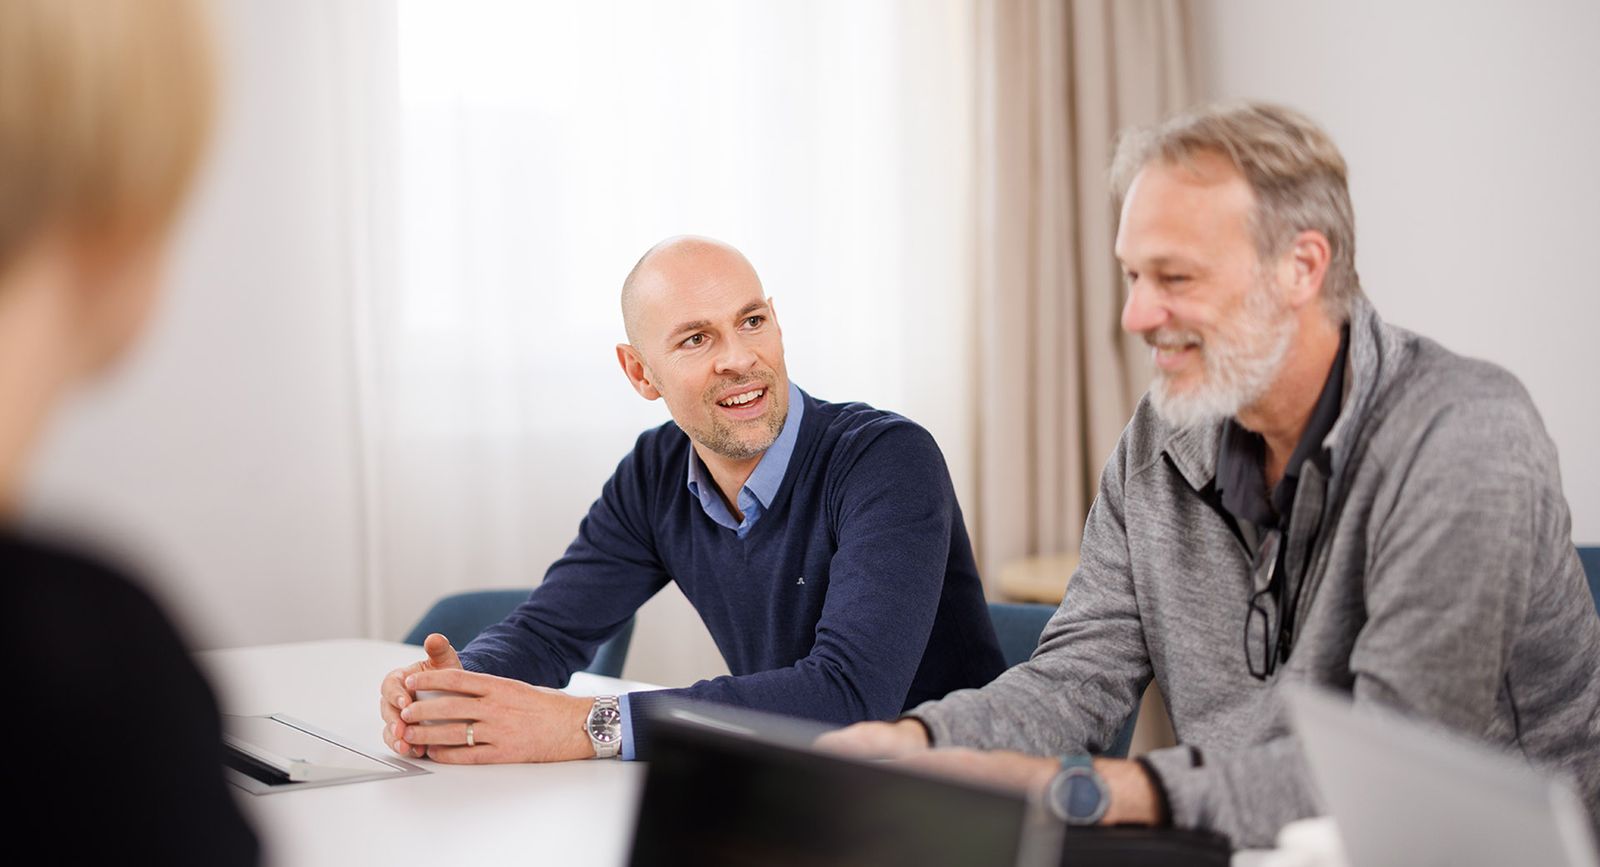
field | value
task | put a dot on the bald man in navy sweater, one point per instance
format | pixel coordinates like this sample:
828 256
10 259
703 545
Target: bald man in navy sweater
820 542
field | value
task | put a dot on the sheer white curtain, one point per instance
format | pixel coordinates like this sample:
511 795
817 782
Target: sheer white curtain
536 149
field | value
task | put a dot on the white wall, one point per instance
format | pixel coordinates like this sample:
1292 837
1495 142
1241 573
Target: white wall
227 458
221 458
1472 135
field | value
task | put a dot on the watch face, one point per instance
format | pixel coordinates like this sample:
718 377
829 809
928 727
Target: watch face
605 724
1078 796
1083 797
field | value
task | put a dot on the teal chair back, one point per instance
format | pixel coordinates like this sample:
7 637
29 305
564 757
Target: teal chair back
461 616
1018 625
1590 555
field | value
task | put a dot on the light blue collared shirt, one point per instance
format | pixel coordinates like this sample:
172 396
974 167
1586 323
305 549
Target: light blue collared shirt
755 498
756 495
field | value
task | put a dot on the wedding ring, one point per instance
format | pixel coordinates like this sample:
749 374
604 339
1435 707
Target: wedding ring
471 741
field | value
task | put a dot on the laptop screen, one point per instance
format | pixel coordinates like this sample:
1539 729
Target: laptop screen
718 795
1405 791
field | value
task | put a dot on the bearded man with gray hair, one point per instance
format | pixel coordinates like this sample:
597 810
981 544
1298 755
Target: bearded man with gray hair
1307 495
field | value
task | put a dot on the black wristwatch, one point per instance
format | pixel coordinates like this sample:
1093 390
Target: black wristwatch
1078 795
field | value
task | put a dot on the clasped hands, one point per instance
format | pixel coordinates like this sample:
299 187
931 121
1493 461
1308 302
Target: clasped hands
511 721
1133 796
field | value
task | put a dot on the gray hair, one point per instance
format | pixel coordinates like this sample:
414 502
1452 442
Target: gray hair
1291 164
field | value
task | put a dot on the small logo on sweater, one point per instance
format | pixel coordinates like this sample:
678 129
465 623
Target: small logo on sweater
800 580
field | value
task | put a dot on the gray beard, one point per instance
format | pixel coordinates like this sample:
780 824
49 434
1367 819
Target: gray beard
1237 369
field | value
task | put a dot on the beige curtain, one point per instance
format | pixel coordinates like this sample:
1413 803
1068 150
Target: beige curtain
1057 378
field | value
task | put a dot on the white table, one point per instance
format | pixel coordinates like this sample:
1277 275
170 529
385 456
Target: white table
565 813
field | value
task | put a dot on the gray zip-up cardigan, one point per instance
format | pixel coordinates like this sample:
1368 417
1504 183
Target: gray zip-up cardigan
1443 582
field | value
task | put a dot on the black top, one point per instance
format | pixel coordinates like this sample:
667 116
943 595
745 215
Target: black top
114 749
1241 484
1241 456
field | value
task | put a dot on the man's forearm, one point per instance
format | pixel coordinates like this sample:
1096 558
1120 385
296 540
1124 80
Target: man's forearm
1031 708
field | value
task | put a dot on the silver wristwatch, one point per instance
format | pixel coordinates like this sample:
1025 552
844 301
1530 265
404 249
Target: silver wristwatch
604 727
1078 795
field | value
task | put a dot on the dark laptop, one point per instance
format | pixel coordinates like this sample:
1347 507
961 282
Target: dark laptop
732 787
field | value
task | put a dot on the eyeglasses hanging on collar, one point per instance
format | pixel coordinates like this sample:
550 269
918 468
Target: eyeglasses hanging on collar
1263 643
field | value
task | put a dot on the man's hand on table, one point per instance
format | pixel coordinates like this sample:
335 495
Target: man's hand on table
511 721
393 695
1133 794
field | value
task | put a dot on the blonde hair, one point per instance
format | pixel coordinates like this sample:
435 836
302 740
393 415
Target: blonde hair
1292 166
105 106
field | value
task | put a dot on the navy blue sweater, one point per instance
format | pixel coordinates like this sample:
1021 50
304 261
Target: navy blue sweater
890 613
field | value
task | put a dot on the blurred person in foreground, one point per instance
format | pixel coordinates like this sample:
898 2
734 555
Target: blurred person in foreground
821 544
104 113
1307 494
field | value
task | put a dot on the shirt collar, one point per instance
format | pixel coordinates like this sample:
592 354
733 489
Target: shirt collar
1240 452
768 475
1240 483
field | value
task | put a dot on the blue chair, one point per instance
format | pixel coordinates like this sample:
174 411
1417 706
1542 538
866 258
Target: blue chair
1590 556
1018 626
461 616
